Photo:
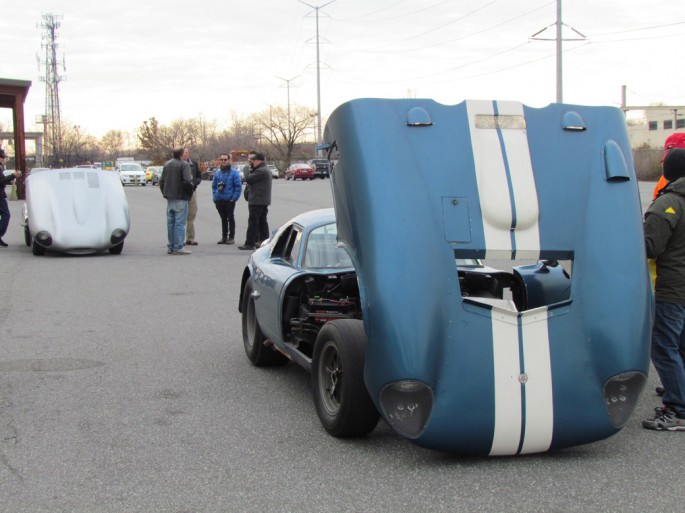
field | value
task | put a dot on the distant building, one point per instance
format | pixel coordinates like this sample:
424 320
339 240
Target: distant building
657 124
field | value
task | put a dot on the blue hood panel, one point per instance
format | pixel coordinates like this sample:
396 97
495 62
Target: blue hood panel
419 184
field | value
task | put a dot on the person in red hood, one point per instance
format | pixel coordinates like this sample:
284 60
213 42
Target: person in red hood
676 140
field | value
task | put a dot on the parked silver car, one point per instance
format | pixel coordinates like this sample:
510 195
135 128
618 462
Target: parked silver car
75 211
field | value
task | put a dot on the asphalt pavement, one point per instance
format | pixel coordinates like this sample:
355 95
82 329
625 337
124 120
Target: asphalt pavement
124 387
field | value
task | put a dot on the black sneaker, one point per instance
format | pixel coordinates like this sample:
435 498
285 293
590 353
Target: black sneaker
3 244
660 391
248 248
664 419
222 241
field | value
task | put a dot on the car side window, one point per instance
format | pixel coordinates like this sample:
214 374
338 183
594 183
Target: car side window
323 250
287 246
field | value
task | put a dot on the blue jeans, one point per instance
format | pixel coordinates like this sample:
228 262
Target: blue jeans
176 215
668 353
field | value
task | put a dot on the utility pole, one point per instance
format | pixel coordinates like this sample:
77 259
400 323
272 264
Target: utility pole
560 92
318 70
287 82
559 39
52 78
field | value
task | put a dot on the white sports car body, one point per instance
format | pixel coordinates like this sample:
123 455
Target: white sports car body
76 211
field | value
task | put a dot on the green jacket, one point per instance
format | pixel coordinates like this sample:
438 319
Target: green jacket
665 241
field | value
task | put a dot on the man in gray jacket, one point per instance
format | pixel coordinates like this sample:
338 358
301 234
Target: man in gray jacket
665 242
258 185
176 185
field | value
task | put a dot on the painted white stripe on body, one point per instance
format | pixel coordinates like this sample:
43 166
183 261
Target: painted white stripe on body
523 390
508 407
504 175
538 388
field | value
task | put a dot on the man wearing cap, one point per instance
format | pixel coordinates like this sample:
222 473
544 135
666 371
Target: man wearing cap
4 207
258 185
665 242
676 140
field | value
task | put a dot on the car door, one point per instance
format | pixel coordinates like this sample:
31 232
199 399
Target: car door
271 276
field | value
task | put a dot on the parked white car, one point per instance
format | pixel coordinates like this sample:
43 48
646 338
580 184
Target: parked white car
131 173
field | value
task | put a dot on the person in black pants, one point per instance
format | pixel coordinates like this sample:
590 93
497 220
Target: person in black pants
226 188
4 207
258 182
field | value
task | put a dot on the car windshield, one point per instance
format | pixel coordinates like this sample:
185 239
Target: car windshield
323 250
131 167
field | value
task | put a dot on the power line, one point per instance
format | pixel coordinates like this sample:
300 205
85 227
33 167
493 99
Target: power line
356 18
404 15
454 40
639 29
436 28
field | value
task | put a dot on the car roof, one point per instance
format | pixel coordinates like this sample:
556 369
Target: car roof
314 217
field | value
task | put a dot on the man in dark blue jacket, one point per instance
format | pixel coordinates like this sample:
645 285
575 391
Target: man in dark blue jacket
226 187
4 207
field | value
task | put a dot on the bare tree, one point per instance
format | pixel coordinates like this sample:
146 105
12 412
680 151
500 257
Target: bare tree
281 130
112 144
77 145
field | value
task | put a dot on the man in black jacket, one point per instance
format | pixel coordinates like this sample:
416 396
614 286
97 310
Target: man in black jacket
258 184
4 207
176 173
665 241
192 203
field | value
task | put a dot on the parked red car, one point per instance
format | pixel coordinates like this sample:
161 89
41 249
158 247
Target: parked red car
299 170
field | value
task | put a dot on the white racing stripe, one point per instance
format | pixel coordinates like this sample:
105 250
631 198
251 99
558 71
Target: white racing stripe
506 184
524 407
538 388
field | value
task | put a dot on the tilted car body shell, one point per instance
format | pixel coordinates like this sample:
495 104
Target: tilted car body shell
419 184
80 208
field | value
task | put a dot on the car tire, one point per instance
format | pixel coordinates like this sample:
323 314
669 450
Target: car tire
259 354
116 250
27 235
37 249
342 401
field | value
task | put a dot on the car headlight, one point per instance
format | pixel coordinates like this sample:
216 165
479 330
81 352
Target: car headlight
406 406
117 236
44 238
621 393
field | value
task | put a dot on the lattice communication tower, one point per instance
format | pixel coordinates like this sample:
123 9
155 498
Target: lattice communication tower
52 118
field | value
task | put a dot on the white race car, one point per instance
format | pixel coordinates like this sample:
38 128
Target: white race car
75 211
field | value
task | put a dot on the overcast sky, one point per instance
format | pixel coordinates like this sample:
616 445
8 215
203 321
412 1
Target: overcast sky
127 61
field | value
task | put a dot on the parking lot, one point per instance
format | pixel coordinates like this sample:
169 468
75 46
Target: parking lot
124 387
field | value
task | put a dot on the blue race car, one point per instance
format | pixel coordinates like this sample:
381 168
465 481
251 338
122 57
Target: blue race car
387 301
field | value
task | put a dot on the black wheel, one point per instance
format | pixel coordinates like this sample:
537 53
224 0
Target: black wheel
342 401
116 250
27 235
37 249
253 339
